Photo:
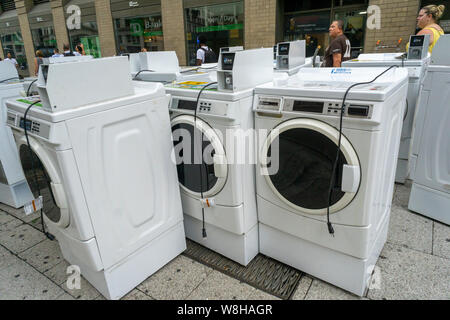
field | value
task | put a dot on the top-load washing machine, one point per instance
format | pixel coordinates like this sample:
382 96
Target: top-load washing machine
163 66
416 72
298 136
213 138
102 152
14 190
430 152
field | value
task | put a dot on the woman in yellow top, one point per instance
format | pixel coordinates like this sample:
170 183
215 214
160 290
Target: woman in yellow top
427 21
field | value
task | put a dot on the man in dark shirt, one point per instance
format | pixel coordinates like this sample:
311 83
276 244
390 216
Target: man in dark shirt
339 49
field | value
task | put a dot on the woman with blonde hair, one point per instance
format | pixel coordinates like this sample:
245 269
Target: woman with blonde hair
38 61
427 21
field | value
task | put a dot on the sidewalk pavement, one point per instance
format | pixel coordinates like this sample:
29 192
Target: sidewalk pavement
414 264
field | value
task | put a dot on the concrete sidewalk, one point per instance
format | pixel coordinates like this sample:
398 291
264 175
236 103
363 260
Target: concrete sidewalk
414 264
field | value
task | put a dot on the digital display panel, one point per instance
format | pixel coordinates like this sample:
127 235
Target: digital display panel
22 124
227 61
283 49
187 105
417 41
308 106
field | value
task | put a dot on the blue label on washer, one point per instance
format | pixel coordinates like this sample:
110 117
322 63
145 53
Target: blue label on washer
341 71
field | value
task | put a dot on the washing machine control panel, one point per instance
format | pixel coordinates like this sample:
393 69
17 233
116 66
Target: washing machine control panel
212 107
329 108
33 126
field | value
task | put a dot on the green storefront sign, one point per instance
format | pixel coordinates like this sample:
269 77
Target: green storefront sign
137 29
220 28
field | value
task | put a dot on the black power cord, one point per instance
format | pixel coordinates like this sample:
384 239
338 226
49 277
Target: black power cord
204 235
336 161
135 77
36 181
29 87
4 80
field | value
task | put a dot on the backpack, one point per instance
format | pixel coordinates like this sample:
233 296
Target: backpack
210 56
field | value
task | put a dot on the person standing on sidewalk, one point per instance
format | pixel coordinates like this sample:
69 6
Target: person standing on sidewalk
339 49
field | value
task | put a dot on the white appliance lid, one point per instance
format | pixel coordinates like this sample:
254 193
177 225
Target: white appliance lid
143 92
333 82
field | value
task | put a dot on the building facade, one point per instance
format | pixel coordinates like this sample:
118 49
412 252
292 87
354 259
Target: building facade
112 27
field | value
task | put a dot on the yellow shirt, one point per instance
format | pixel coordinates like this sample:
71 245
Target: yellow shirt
436 35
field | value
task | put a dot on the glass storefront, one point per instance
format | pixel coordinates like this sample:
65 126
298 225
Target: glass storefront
221 24
87 35
137 25
86 31
134 34
44 39
310 20
42 31
12 41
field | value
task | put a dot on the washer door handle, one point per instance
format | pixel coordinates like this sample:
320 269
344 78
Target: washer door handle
351 176
220 166
60 196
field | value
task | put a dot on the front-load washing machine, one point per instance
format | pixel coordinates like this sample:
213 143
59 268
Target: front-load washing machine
416 72
14 190
102 149
218 192
430 152
298 125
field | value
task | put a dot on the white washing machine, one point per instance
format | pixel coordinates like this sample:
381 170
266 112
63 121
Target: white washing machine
416 72
103 158
297 146
227 180
163 66
430 152
14 190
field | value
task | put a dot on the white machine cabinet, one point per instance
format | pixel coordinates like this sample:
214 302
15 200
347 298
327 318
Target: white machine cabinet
430 152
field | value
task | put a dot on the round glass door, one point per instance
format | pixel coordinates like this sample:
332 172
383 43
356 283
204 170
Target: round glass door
305 151
192 141
39 177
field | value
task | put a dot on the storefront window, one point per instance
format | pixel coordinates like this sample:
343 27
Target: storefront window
87 35
310 20
134 34
42 30
86 32
44 39
13 43
222 25
312 27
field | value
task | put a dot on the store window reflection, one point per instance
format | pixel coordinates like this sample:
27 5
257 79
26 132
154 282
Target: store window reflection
87 35
13 43
312 27
86 32
44 39
134 34
222 25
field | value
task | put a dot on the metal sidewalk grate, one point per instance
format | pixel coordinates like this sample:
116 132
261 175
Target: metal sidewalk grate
262 272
